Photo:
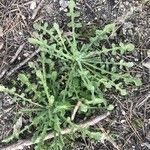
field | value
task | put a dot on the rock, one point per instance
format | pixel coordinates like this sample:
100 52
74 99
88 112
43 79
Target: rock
33 5
63 4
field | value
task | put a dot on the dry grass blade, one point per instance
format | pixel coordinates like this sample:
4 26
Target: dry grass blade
17 53
75 110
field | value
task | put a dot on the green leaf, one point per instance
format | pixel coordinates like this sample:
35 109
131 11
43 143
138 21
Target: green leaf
109 28
94 135
130 47
126 64
129 64
23 78
37 26
83 107
56 26
78 25
2 88
123 92
62 107
54 75
31 65
39 74
71 6
126 47
33 40
110 107
96 101
74 65
56 123
137 82
51 100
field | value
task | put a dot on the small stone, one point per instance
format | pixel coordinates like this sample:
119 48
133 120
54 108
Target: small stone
123 112
20 33
26 54
63 5
65 10
33 5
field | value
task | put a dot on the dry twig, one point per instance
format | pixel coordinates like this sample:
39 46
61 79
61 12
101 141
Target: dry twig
37 9
17 53
23 63
23 143
75 110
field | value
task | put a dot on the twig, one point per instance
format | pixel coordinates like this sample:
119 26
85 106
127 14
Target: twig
23 143
17 53
3 73
75 110
37 9
22 63
143 101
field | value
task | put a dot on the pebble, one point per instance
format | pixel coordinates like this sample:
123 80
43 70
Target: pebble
122 121
33 5
63 5
123 112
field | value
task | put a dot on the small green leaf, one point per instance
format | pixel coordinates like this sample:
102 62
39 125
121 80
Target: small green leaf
56 123
123 92
33 40
51 99
96 101
83 107
56 26
109 28
130 47
110 107
129 64
94 135
23 78
78 25
31 65
36 26
54 75
71 5
2 88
